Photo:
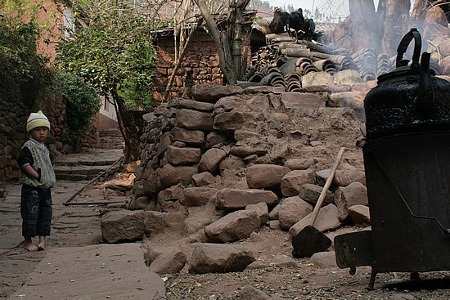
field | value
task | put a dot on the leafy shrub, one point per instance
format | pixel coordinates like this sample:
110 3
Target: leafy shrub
82 102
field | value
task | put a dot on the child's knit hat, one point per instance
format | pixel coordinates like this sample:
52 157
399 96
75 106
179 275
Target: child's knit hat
37 120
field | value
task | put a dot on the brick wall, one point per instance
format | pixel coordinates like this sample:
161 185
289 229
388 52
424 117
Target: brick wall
201 58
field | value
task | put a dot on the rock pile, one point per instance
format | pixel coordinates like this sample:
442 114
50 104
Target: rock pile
220 166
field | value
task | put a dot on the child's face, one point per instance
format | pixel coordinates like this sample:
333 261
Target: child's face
39 134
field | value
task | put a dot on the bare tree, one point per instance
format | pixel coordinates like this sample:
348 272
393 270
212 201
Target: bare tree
228 41
183 33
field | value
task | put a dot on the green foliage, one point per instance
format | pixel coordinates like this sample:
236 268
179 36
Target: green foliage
23 73
82 102
114 54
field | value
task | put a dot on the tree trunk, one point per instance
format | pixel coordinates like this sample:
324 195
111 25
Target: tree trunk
394 17
130 127
365 26
228 42
236 35
226 65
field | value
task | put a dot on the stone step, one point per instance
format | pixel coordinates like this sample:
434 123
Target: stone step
81 173
110 132
110 139
86 165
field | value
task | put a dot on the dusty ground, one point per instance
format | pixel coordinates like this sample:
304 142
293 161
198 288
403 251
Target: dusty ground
277 276
79 226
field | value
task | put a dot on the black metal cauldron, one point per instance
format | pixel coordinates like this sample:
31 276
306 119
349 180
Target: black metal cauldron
408 99
407 166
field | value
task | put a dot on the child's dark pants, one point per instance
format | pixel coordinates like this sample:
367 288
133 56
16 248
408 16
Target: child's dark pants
36 210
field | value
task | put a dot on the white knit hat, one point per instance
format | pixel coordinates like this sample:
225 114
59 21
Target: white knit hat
37 120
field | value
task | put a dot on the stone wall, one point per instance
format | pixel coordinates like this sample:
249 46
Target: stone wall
13 117
213 139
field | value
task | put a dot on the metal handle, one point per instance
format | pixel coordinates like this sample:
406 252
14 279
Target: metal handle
403 46
425 103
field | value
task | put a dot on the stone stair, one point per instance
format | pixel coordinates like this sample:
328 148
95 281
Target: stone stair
110 139
87 165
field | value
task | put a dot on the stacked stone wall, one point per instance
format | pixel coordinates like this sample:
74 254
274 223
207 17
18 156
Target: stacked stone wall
212 140
13 117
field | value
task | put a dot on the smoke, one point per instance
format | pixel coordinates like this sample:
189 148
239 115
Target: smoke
372 36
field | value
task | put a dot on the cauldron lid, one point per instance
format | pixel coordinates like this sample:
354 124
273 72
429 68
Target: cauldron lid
403 71
402 67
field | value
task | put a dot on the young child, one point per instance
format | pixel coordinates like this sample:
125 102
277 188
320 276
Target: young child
37 177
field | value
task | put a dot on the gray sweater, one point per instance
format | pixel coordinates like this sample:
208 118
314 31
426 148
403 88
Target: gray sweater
36 154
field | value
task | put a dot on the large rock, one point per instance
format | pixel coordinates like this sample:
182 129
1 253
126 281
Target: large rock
183 156
317 79
346 177
171 175
359 214
324 259
342 177
232 120
171 262
327 219
349 77
265 176
234 226
211 159
157 222
250 146
345 197
252 293
197 196
292 210
292 182
232 199
194 120
216 258
191 104
212 92
123 226
200 217
172 193
299 163
261 209
293 100
311 193
347 99
227 103
195 137
203 179
215 138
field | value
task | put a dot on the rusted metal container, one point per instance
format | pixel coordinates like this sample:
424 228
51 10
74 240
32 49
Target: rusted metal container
407 165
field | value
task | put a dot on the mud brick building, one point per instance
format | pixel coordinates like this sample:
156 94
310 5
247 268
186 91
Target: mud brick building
201 59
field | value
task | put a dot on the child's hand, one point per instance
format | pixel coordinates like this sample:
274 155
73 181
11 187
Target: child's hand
39 171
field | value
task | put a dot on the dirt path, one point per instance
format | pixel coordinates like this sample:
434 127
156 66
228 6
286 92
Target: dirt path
77 266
